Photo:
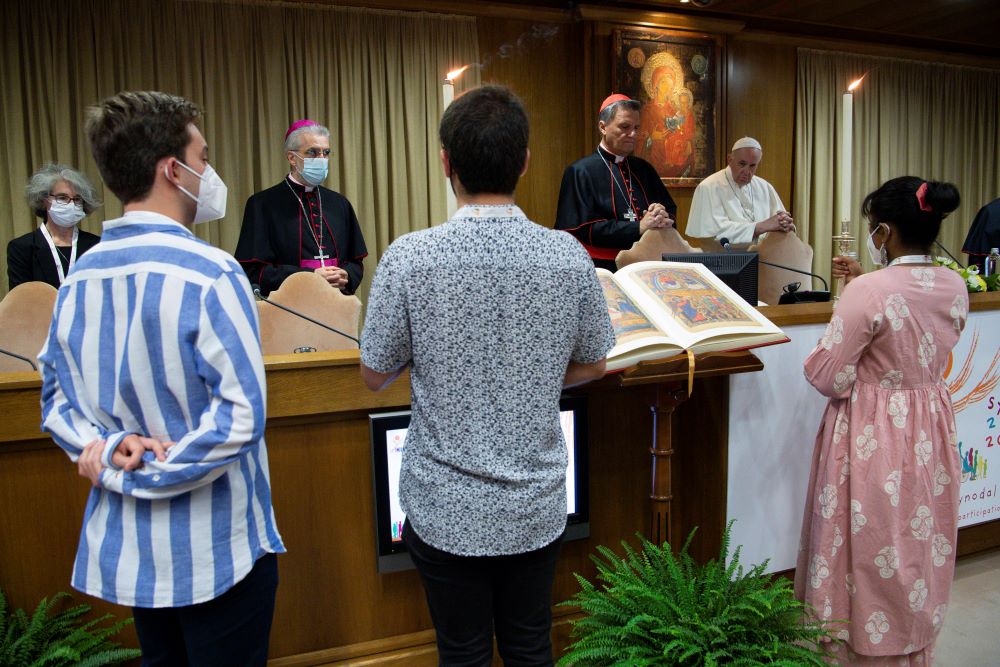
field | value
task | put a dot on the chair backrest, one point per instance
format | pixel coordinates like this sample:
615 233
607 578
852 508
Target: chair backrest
789 250
25 315
282 332
651 246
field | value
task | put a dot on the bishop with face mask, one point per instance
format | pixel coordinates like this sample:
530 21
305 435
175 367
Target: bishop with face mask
298 225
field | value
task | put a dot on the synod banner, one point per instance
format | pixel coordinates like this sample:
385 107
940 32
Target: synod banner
774 417
974 382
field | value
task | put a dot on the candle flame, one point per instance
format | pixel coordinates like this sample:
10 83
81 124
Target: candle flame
455 73
856 83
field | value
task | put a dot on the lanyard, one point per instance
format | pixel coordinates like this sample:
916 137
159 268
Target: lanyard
55 253
912 259
491 211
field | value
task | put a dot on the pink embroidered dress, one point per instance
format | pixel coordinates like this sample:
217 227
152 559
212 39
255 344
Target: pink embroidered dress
880 524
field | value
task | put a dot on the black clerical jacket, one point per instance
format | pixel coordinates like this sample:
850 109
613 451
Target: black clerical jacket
276 236
594 201
30 258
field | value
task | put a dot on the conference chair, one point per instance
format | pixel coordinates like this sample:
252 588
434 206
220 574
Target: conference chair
652 245
789 250
306 292
25 315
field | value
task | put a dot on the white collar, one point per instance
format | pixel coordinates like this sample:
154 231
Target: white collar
134 217
618 158
309 188
489 211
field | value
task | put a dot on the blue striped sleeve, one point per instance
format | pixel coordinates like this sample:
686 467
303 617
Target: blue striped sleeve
61 415
227 359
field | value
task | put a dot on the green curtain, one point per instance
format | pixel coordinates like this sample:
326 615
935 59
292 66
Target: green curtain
936 121
373 77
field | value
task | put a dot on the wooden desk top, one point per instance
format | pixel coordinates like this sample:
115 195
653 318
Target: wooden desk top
814 313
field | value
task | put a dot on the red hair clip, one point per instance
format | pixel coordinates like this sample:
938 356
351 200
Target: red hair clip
922 198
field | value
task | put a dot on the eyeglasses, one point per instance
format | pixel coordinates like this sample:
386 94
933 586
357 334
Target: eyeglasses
66 199
317 152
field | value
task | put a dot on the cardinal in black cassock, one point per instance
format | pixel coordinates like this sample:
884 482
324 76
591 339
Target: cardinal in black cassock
610 197
298 225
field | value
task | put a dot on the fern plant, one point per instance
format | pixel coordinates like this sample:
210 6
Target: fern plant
655 608
52 639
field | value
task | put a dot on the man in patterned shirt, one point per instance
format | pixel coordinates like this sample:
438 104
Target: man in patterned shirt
494 315
153 382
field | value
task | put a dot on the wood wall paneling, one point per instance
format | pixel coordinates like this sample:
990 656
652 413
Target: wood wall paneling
760 102
548 75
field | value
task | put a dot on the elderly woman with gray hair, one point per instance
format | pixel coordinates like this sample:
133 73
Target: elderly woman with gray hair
61 197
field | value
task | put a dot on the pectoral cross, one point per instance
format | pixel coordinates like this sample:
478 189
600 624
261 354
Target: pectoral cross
322 256
631 216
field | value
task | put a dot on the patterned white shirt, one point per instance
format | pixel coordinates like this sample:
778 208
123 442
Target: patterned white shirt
155 333
488 309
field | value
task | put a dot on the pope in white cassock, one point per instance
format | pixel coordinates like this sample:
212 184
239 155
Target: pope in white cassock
736 204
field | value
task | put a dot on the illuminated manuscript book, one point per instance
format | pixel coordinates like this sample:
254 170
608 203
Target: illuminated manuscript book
660 309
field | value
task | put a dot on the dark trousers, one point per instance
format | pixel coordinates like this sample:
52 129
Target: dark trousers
470 597
233 629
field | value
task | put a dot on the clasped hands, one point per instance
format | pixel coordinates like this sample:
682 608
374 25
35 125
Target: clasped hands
334 275
779 222
655 217
127 455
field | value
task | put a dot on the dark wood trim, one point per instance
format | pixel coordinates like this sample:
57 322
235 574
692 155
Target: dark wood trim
654 19
871 48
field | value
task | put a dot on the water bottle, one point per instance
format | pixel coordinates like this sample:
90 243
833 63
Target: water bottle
992 264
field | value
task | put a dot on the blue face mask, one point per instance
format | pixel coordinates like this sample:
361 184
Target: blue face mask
314 169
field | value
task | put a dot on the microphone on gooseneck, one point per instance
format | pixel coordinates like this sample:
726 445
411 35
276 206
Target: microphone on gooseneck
256 293
789 268
938 244
802 296
18 356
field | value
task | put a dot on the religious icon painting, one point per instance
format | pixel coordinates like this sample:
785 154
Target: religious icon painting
677 77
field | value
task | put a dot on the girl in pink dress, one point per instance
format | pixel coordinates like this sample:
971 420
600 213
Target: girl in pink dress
880 524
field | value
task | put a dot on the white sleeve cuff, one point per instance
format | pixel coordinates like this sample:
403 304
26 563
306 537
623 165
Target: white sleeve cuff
110 445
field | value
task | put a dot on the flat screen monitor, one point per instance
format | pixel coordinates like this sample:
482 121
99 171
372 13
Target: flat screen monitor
388 439
737 269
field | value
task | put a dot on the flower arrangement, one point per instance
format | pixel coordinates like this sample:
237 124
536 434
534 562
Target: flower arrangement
970 274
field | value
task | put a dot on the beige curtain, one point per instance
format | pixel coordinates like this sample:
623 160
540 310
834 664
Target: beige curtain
373 77
939 122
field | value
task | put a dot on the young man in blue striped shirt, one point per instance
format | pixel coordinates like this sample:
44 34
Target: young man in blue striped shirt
153 382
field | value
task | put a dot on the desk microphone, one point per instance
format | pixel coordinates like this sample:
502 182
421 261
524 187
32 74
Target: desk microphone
805 273
18 356
800 297
256 293
948 253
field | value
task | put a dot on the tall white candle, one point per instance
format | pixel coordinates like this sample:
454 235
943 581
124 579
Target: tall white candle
844 157
448 93
448 96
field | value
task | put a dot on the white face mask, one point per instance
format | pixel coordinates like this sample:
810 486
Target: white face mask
878 256
66 215
211 197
